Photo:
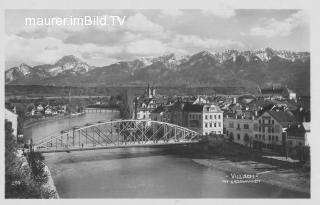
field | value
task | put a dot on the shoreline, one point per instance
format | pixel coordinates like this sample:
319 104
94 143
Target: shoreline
269 174
36 122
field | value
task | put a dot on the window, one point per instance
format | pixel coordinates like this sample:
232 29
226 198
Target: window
246 126
215 124
205 124
269 137
215 117
238 136
206 117
238 126
219 117
231 124
210 117
277 138
210 124
272 137
256 136
272 121
219 124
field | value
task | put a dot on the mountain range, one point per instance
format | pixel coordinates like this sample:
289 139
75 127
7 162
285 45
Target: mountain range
230 68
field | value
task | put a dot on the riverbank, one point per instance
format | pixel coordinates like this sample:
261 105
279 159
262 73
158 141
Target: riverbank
291 179
48 188
48 119
234 159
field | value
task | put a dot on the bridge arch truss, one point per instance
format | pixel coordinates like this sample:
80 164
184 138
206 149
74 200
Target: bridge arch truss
118 133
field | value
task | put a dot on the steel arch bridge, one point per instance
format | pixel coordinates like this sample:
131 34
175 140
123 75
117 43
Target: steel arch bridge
117 134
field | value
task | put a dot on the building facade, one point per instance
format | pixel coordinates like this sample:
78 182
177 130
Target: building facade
239 129
206 119
145 105
270 129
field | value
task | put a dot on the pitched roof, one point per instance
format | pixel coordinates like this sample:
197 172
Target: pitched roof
284 118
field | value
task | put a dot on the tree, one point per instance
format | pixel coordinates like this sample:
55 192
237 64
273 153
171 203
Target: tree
17 181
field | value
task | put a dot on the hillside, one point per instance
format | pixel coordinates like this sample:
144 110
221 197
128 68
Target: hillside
231 68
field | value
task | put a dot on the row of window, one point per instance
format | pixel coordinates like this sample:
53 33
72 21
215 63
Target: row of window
149 106
275 129
206 125
195 116
213 132
266 121
212 117
270 137
245 126
206 117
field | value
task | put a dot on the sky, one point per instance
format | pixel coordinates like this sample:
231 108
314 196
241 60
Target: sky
151 33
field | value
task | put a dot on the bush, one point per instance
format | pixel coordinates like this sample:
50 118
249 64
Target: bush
18 183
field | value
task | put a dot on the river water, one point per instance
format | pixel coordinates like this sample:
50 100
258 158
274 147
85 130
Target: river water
139 172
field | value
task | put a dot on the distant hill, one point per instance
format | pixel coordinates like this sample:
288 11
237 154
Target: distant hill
231 68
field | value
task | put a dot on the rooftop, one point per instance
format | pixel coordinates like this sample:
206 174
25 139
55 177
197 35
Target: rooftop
284 118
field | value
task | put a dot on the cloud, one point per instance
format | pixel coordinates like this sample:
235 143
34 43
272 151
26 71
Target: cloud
140 23
273 27
146 47
49 50
191 41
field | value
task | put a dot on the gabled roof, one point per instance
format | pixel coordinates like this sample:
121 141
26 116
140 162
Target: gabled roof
284 118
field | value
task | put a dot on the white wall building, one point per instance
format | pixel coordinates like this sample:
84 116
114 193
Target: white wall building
239 128
13 118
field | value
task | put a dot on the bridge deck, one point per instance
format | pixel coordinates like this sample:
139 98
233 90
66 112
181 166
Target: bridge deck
116 146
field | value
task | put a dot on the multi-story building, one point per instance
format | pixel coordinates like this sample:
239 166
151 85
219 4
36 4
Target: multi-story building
158 114
145 104
297 135
206 119
279 93
270 129
239 128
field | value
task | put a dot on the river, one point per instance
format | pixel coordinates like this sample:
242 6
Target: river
139 172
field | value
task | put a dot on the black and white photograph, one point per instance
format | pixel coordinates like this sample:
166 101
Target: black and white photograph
159 103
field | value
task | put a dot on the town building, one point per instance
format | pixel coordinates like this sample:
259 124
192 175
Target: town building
296 136
206 119
278 93
144 105
158 114
13 118
239 128
270 129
